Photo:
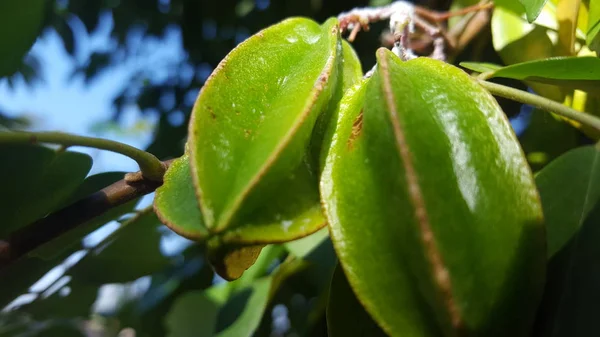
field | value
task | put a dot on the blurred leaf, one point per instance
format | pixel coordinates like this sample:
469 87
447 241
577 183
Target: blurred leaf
240 304
194 307
571 296
533 8
66 34
90 185
517 41
547 136
572 72
429 200
249 304
134 252
566 205
175 201
20 24
345 315
76 303
37 180
567 13
480 67
17 277
303 247
593 30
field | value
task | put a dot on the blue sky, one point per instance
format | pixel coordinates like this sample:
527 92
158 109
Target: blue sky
59 102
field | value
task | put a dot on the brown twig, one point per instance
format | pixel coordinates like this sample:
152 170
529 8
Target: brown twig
25 240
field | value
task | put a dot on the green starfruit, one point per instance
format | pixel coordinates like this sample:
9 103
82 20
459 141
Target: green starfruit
432 208
255 139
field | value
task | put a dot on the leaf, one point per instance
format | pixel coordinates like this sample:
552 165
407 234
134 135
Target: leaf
254 116
20 24
566 206
134 252
237 307
77 301
175 201
546 138
183 319
303 247
37 180
567 13
345 315
533 8
72 238
480 67
572 72
516 41
571 295
593 29
432 208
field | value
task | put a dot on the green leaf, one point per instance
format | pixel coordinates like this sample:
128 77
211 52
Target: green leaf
253 119
533 8
235 308
571 295
546 138
517 41
175 201
572 72
432 208
345 315
303 247
37 180
134 252
566 206
20 24
593 30
196 313
77 302
480 67
72 238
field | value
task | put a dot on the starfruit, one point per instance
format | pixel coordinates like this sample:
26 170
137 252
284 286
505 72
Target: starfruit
250 156
432 208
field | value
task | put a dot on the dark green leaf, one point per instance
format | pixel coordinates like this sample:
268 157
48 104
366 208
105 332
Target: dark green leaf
20 24
235 308
37 180
566 205
134 252
572 72
345 315
546 138
77 302
572 297
432 208
176 204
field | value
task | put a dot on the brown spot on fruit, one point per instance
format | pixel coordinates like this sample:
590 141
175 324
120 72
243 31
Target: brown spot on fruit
356 130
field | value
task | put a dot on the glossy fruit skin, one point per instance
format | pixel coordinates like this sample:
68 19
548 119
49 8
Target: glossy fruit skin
256 135
432 207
